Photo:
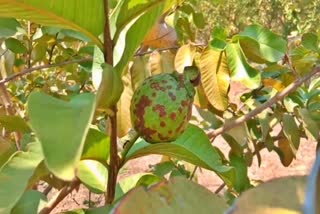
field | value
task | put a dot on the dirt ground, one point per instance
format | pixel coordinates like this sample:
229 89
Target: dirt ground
270 168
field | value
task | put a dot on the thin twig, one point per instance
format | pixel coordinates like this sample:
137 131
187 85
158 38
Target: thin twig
29 70
220 188
59 197
193 173
279 96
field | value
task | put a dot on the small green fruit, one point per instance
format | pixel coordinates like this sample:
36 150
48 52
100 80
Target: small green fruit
162 105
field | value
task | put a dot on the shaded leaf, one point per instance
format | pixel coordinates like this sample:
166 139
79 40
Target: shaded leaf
266 198
240 69
61 128
178 195
94 175
285 152
31 202
215 78
291 131
14 123
6 150
15 45
310 41
9 27
311 127
72 14
192 146
15 174
242 181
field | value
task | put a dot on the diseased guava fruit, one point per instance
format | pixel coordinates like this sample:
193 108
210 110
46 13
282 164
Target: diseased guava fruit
162 105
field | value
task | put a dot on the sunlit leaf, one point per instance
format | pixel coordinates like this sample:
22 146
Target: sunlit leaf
132 32
273 83
161 62
183 196
72 14
15 174
93 174
240 69
61 128
272 47
184 57
96 146
215 78
192 146
123 118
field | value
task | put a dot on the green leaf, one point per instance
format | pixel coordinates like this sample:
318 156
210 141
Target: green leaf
96 146
271 46
31 202
14 123
61 128
240 69
9 27
291 131
242 181
126 184
282 195
311 127
310 41
199 20
192 146
94 175
15 46
215 78
6 150
131 36
178 195
15 175
72 14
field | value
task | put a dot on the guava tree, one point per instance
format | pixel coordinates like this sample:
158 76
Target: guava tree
88 86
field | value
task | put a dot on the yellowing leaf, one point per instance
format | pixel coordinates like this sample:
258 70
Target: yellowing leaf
286 155
161 36
184 57
123 116
161 62
138 71
215 78
273 83
284 195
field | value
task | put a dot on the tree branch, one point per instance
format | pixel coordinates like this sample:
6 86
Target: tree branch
29 70
112 128
279 96
59 197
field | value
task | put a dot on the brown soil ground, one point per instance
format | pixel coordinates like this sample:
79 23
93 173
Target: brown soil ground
270 168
